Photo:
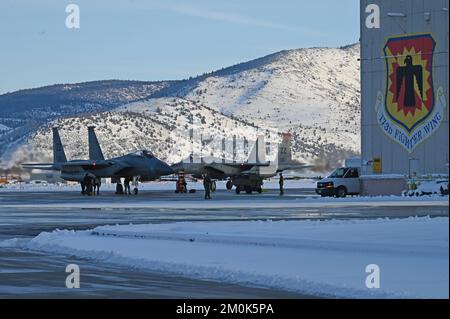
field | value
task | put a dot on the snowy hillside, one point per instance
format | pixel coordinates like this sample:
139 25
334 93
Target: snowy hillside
25 111
164 129
312 93
292 86
66 99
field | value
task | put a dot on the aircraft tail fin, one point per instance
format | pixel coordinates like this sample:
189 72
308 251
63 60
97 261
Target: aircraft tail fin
95 152
285 149
59 156
258 153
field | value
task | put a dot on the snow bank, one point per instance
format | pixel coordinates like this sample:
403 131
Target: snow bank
323 258
422 188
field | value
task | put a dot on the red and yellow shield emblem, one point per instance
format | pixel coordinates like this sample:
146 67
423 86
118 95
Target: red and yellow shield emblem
409 98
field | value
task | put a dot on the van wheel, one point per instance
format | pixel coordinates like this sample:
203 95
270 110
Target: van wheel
341 192
229 185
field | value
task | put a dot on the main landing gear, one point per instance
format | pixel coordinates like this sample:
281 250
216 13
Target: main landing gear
213 186
136 184
120 189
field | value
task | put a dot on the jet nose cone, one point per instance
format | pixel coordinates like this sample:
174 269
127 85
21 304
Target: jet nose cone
164 169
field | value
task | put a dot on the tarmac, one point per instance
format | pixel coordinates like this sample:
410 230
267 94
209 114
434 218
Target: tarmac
29 274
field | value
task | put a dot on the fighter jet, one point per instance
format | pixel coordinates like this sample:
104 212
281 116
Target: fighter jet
141 165
246 176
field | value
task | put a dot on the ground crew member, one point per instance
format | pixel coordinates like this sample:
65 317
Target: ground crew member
184 183
207 185
127 185
181 184
281 184
87 180
83 188
97 184
119 187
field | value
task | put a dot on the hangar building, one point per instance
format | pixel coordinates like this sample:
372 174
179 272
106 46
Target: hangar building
404 86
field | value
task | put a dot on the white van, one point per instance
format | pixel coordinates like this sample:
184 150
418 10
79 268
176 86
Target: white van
342 182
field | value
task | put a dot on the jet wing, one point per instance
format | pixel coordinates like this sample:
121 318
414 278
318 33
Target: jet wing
88 164
213 169
41 166
236 168
124 170
247 165
221 167
293 167
247 173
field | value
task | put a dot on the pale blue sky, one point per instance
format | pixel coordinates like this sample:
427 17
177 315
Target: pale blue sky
158 39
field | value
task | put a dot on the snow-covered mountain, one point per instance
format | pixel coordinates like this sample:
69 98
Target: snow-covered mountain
314 87
163 128
312 93
57 100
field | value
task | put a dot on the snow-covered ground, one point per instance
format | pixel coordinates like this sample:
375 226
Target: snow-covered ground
323 258
427 187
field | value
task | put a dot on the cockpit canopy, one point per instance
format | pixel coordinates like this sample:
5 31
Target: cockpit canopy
144 153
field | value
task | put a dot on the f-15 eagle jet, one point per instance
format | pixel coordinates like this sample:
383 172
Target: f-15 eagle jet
140 165
246 176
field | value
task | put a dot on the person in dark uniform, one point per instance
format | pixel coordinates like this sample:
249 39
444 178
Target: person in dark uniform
181 184
87 180
184 183
83 188
207 185
281 184
127 186
119 187
97 184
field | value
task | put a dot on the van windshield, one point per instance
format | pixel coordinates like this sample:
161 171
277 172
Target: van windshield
339 173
